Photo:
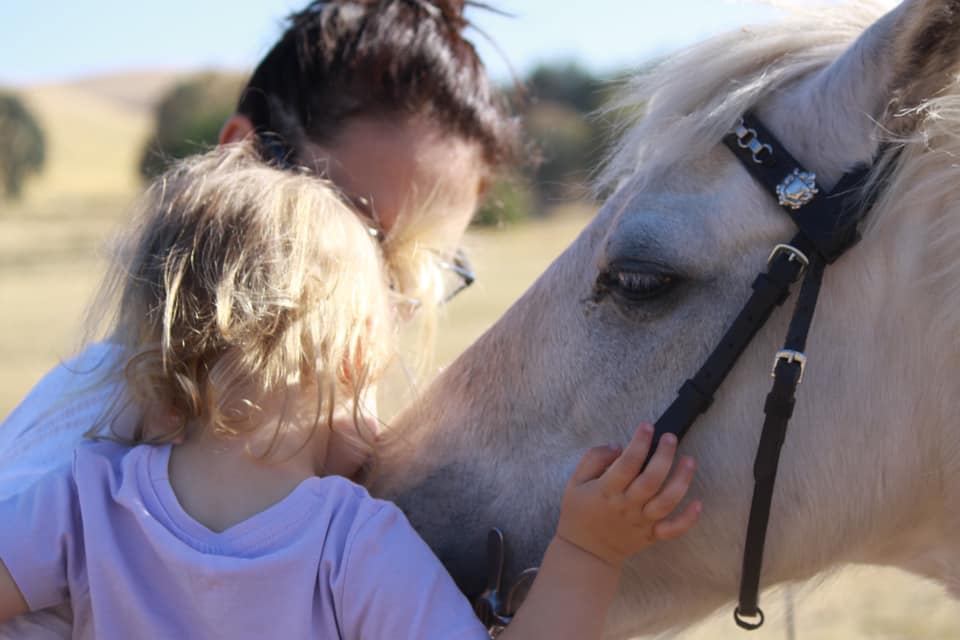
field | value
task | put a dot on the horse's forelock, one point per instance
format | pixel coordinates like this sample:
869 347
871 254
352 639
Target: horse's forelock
682 105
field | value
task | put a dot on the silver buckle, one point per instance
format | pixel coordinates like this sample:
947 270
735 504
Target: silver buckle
794 255
788 356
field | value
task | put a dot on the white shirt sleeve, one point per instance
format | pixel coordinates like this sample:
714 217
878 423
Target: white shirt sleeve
41 536
55 623
394 588
41 433
38 437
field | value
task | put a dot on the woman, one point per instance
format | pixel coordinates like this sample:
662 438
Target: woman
385 98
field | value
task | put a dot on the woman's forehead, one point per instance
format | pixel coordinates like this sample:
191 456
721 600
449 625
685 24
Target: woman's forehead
402 164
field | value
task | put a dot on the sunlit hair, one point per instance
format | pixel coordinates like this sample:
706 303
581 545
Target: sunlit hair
240 282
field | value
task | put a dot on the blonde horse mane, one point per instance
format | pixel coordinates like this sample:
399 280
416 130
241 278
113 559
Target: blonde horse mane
685 103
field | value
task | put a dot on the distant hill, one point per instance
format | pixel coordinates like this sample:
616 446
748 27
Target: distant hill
96 128
137 90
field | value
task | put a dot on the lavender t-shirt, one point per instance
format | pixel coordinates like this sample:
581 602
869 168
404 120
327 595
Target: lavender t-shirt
327 561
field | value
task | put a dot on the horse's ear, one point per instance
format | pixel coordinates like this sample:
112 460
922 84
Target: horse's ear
905 58
925 56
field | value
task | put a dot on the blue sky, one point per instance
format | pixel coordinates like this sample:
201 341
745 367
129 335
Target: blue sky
54 40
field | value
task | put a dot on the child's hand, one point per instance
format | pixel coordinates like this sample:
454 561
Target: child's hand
612 511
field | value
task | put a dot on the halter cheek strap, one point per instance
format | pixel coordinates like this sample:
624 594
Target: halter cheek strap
828 225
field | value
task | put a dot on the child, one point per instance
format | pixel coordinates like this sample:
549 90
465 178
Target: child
254 315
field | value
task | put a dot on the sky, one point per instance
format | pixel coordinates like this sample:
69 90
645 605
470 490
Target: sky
58 40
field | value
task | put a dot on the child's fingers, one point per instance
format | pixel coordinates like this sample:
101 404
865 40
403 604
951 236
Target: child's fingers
648 483
663 503
593 463
678 525
625 468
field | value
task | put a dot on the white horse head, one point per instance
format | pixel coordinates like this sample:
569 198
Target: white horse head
603 340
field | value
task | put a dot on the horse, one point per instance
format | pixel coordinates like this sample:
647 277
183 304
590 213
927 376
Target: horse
604 338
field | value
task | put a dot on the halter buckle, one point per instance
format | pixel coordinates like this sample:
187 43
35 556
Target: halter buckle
794 255
790 356
744 623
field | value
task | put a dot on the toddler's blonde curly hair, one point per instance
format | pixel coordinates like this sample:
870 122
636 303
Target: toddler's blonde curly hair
239 282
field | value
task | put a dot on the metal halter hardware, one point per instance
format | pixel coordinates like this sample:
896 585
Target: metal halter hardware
494 607
792 253
789 356
797 189
748 139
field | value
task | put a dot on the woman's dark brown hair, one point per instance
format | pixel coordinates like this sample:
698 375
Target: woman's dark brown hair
390 58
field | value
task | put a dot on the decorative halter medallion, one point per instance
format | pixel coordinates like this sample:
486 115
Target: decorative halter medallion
797 189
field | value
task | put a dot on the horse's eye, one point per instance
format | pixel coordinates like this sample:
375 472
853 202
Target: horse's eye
637 282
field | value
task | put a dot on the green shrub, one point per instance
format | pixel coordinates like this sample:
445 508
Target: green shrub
22 145
568 146
558 122
567 83
189 118
509 200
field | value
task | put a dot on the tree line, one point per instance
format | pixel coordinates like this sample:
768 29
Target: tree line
554 101
22 145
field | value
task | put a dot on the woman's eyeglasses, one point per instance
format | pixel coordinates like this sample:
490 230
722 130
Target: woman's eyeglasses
458 275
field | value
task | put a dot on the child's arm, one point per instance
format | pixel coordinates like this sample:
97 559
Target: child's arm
610 511
39 530
12 603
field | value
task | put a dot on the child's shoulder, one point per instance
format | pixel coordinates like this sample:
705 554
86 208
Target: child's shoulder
103 468
343 493
351 504
105 455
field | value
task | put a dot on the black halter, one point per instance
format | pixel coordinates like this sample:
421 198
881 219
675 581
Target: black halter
828 226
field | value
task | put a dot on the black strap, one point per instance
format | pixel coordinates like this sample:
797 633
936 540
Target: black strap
830 220
778 410
770 290
828 226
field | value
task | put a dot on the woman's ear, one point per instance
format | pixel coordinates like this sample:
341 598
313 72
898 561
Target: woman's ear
238 127
483 188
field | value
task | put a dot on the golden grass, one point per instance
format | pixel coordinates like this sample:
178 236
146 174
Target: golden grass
49 266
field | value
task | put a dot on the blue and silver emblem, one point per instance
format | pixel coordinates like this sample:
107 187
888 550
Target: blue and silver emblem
797 189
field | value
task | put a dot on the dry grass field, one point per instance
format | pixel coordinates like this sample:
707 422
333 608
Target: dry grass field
49 265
